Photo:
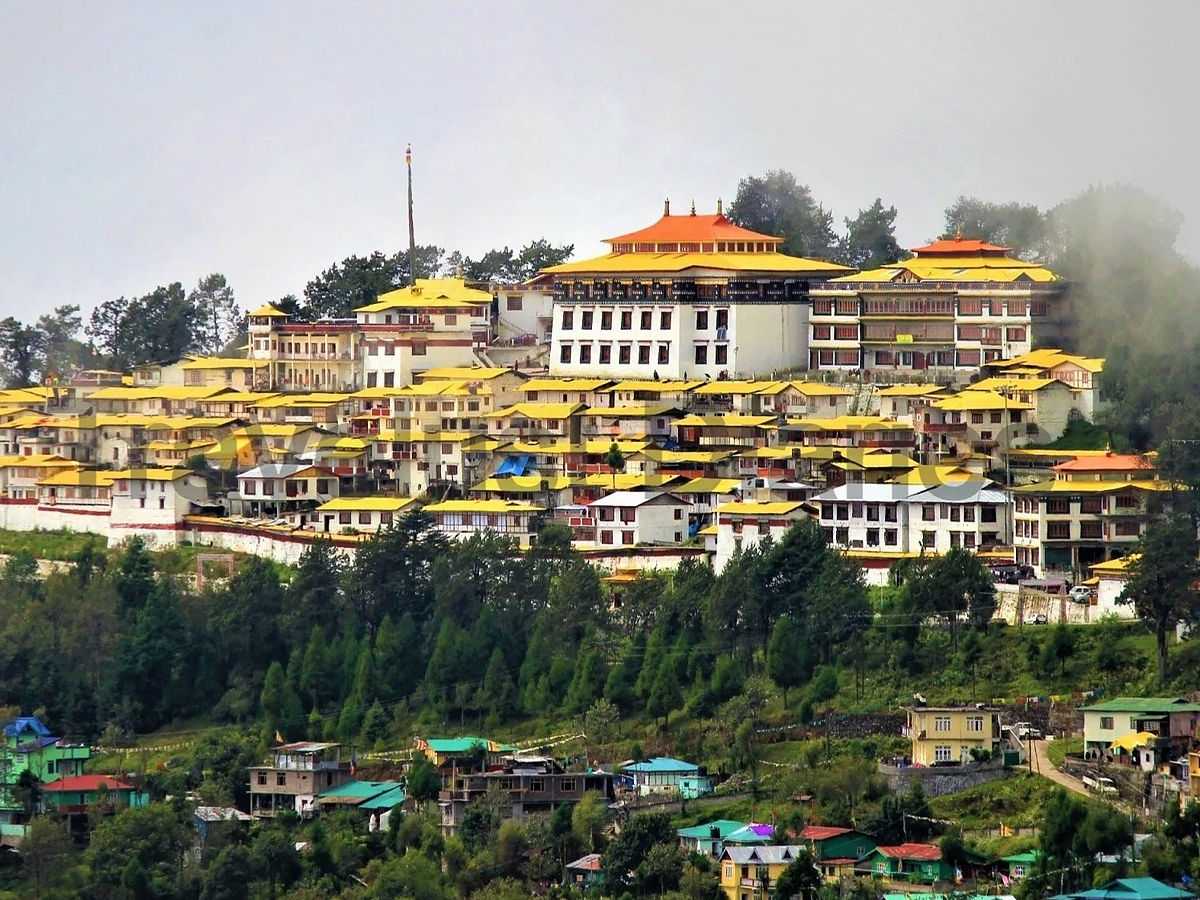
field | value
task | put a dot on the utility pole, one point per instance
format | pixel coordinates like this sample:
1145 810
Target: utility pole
412 239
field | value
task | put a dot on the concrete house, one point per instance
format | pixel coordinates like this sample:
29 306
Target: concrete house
633 518
947 735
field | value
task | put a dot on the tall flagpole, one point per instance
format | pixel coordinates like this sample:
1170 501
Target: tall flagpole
412 239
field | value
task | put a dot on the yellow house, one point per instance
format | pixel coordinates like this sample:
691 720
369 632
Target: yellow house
947 735
750 873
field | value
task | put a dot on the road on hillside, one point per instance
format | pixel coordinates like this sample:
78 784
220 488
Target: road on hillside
1042 766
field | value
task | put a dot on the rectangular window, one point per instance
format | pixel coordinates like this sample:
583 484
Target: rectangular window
418 348
626 319
1018 307
941 723
1106 723
586 321
514 303
889 537
606 319
975 723
1058 530
928 512
845 333
564 353
997 418
605 354
585 353
721 354
647 318
643 354
364 518
941 753
664 354
664 320
701 354
701 319
623 354
568 319
821 332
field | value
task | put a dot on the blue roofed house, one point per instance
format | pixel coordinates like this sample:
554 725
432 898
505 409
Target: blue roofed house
665 775
29 747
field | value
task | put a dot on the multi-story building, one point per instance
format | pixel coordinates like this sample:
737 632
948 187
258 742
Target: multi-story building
529 785
1172 722
747 523
304 356
953 307
689 295
904 518
639 518
1093 510
297 774
946 735
750 873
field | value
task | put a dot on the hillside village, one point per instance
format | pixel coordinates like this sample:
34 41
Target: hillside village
665 411
634 397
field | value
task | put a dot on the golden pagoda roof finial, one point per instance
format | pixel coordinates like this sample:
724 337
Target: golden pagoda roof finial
667 207
720 207
958 233
693 206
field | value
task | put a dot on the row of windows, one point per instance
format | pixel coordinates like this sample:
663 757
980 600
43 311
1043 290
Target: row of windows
605 354
928 306
1061 506
587 319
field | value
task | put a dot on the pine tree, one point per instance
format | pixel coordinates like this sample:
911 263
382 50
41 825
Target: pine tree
665 694
587 682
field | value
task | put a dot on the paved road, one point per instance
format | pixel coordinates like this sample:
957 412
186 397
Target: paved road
1043 766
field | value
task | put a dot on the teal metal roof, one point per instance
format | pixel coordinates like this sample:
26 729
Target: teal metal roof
1144 705
361 789
704 832
386 800
465 745
1135 889
662 764
1030 856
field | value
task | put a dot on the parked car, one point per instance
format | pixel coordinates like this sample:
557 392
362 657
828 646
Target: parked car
1081 593
1036 619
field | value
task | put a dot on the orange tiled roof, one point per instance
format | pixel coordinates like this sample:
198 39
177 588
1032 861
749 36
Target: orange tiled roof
692 229
1110 462
958 247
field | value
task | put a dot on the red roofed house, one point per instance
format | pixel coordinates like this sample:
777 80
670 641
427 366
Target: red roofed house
690 295
83 799
585 871
955 306
916 863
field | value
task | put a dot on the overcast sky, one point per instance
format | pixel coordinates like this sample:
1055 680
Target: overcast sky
150 142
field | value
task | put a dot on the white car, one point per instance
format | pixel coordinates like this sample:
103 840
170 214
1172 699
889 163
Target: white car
1081 593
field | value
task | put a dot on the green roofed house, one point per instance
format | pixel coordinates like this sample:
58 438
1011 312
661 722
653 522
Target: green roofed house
1133 889
357 794
1165 727
665 775
1019 864
708 839
915 863
474 753
28 746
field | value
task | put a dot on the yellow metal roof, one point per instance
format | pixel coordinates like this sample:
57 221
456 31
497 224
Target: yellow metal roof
1001 269
657 454
293 401
1114 566
910 390
365 504
1038 452
850 423
159 392
272 429
143 474
708 486
708 530
538 411
181 445
430 292
819 389
879 461
752 507
218 362
79 477
741 387
268 310
1000 383
561 448
979 400
466 373
525 484
678 262
734 420
483 506
37 461
771 452
626 481
176 423
1046 358
564 384
668 386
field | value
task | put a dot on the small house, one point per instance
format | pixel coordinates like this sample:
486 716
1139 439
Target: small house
910 862
750 873
664 775
708 839
585 871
